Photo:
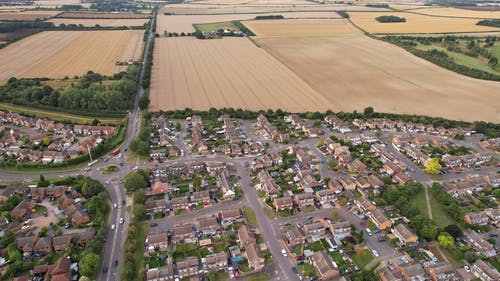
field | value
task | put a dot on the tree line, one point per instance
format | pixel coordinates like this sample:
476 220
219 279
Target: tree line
385 19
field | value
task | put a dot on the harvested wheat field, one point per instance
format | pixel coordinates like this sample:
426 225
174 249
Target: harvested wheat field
416 23
101 22
229 72
28 15
301 27
454 12
196 9
184 23
103 16
354 72
55 54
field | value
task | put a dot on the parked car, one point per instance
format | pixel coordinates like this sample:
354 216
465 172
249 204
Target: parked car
116 263
154 224
122 220
283 251
381 239
309 218
295 270
375 253
376 231
113 227
467 268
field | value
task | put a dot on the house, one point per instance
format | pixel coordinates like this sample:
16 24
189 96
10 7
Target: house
200 197
208 225
404 235
61 243
155 206
245 236
43 246
379 219
304 199
215 262
226 185
178 203
38 194
267 184
84 237
64 202
357 166
347 183
182 232
386 274
162 273
494 215
314 230
336 186
364 204
375 181
188 267
157 242
323 266
79 217
362 182
485 271
478 243
158 188
325 196
22 210
283 203
9 191
340 229
401 178
413 272
477 218
230 215
294 237
254 256
26 245
443 272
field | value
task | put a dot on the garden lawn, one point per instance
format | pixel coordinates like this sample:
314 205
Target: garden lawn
362 257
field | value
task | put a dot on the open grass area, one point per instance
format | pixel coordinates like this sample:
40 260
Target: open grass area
250 216
462 59
362 257
307 270
110 169
438 213
258 277
58 116
142 230
218 275
215 26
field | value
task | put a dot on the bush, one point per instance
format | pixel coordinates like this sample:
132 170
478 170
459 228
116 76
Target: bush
385 19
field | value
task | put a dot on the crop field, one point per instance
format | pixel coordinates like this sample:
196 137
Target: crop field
103 16
229 72
56 54
101 22
455 12
59 3
197 9
184 23
354 72
416 23
27 15
301 27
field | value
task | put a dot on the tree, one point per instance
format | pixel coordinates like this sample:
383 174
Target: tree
91 187
42 182
368 111
133 182
139 212
197 183
446 240
429 231
89 264
432 167
453 230
7 238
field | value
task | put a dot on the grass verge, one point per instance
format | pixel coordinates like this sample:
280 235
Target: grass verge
58 116
250 216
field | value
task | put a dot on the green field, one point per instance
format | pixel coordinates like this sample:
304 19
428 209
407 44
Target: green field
215 26
58 116
250 216
438 214
495 51
464 59
362 257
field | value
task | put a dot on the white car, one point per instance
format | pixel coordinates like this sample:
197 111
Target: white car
115 205
467 268
283 251
375 253
113 227
122 220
